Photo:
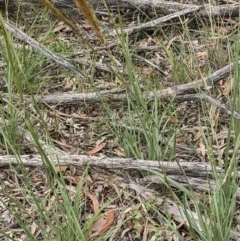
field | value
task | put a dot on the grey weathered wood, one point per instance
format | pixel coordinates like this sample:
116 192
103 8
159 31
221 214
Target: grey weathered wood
196 175
193 169
32 42
154 23
145 5
171 92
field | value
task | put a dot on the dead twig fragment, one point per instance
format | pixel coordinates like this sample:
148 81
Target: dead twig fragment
154 23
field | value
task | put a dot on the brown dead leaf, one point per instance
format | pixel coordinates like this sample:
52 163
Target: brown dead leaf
73 179
69 84
61 168
110 215
181 141
60 26
97 148
119 152
101 222
77 179
94 200
104 223
86 25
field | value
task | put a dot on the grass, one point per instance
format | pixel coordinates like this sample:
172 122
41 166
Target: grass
57 203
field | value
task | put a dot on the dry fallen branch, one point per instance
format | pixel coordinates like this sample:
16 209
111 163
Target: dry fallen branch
24 37
182 149
202 170
211 100
180 93
191 169
57 59
171 92
199 175
141 186
171 207
206 10
153 24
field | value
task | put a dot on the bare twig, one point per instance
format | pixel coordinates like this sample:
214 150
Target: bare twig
211 100
24 37
193 87
154 23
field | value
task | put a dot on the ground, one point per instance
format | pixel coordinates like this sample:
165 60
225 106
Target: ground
148 119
